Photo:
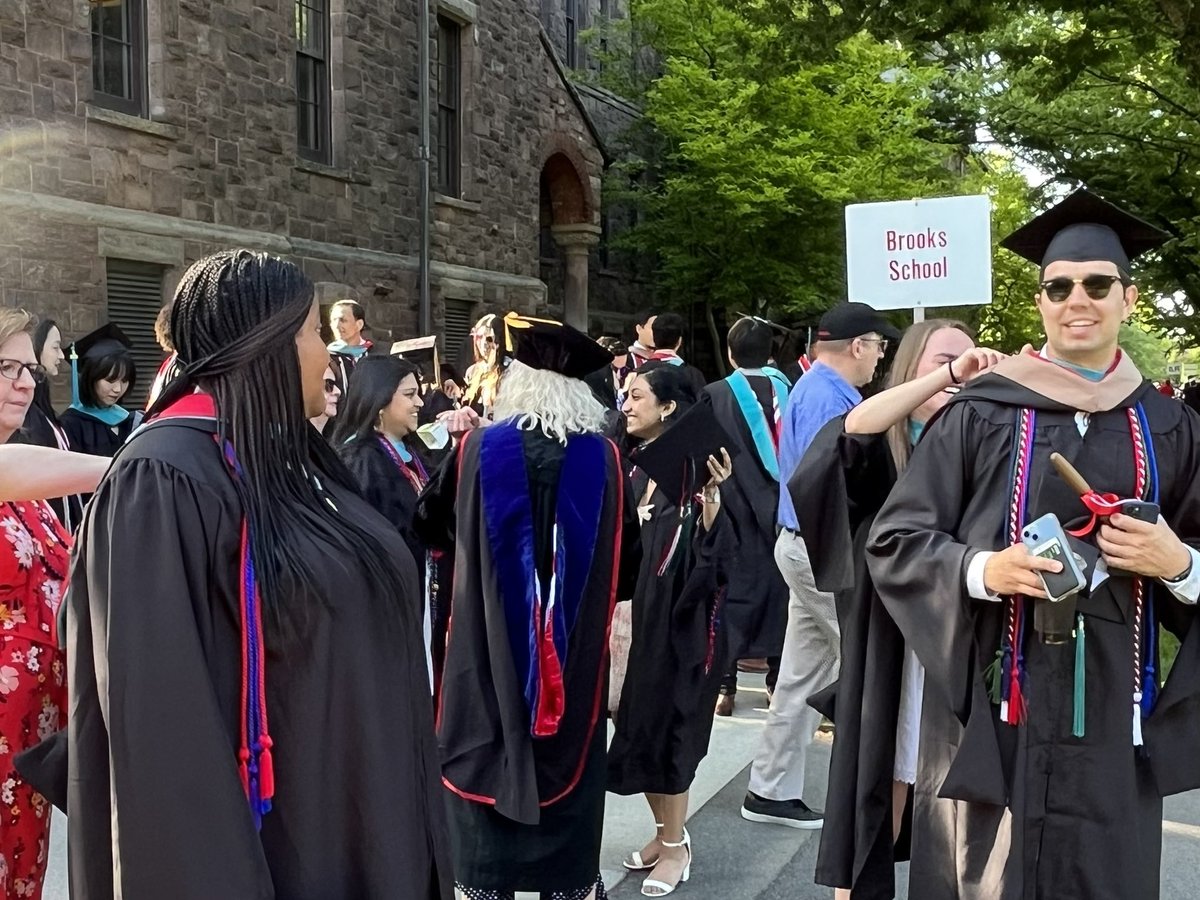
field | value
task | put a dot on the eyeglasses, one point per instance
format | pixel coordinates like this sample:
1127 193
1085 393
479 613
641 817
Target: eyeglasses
12 368
882 342
330 385
1095 286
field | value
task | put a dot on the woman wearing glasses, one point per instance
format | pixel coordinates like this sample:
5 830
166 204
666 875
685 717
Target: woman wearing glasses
483 377
333 394
34 553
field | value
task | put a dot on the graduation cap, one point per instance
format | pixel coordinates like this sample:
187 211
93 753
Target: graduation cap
552 346
104 340
1084 228
422 351
677 459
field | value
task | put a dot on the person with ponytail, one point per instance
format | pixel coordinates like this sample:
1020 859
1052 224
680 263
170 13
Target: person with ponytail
841 482
250 713
664 718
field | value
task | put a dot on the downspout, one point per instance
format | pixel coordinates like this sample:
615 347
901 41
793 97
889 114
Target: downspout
424 157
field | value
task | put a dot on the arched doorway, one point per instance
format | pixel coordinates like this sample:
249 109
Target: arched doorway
567 232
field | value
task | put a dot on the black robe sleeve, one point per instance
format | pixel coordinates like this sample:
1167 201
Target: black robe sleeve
150 751
435 522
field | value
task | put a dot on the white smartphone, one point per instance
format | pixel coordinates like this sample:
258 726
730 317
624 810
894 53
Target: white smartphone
1045 538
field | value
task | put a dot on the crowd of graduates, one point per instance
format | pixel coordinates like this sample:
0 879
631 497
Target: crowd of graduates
331 621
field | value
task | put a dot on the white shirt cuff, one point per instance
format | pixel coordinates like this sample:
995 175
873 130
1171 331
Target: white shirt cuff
975 586
1188 589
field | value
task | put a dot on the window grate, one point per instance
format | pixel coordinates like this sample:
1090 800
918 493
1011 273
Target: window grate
135 295
456 331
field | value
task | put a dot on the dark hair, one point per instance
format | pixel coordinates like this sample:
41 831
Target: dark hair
373 384
41 331
750 343
449 373
115 366
668 330
668 382
644 316
234 322
162 329
355 309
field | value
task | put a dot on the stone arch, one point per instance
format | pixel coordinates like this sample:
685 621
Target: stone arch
568 212
566 179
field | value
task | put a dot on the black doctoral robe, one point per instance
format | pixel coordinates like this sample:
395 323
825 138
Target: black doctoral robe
676 656
839 486
526 813
1004 812
756 599
88 434
155 678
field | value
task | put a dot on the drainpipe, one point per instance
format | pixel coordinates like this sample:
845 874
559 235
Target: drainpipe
424 157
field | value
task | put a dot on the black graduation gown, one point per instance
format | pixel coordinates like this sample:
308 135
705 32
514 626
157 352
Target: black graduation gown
525 813
386 489
756 600
676 656
154 792
1005 812
88 434
838 488
42 429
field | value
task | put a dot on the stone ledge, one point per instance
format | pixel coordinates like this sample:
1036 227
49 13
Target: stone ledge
335 172
132 123
470 206
464 10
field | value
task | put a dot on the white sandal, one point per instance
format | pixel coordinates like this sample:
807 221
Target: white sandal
661 888
635 863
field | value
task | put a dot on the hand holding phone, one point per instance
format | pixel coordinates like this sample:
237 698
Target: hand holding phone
1015 571
1045 539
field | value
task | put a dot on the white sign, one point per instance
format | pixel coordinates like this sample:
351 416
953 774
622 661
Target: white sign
919 253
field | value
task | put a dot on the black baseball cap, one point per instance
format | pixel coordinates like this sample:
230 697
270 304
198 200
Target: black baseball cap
1084 228
850 320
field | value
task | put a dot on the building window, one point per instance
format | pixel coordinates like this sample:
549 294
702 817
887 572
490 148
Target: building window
119 55
313 132
449 111
571 12
456 331
135 295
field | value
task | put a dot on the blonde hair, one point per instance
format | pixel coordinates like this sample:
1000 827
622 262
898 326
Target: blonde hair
557 405
904 369
14 322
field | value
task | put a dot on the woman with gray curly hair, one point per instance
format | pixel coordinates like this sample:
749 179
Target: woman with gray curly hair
535 509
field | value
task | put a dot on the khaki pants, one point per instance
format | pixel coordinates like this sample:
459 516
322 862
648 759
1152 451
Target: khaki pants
811 649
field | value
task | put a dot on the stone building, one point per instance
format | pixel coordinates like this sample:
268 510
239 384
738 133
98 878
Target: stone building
139 135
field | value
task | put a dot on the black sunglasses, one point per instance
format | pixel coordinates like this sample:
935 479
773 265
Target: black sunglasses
330 385
1095 286
11 369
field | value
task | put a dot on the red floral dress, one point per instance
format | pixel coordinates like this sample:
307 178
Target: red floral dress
34 553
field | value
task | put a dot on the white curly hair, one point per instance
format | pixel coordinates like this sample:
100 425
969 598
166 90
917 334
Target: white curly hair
557 405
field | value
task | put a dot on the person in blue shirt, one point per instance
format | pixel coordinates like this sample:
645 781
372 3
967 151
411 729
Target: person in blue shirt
851 340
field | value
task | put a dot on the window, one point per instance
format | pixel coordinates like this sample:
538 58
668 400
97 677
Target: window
313 132
456 330
449 61
119 55
135 295
571 13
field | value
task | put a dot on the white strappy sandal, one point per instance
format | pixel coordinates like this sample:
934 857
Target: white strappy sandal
635 863
661 888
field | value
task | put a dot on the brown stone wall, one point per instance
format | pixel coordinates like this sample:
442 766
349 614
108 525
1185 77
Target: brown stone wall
215 164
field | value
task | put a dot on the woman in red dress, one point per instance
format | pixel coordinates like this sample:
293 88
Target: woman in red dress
34 552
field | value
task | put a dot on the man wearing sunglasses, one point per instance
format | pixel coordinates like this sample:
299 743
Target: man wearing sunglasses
1044 756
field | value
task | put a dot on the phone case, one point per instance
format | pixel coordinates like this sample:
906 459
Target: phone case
1045 537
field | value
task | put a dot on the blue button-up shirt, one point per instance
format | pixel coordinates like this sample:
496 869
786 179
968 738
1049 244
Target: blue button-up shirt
820 395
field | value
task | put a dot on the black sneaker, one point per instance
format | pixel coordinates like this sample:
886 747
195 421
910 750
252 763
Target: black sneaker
792 813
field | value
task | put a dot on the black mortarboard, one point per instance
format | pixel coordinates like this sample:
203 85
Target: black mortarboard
552 346
422 351
1084 228
677 459
104 340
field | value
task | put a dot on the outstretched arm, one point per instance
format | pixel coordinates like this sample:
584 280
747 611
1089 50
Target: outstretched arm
35 473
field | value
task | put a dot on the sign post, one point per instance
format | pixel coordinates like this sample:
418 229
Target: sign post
913 254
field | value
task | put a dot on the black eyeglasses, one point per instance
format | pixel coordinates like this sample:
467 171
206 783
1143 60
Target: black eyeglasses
1095 286
12 368
330 385
882 342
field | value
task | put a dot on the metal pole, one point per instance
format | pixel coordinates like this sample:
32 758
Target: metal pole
424 155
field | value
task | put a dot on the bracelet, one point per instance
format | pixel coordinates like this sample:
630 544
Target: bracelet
1183 575
954 379
714 497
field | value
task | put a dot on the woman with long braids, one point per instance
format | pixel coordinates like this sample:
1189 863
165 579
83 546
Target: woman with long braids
250 715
